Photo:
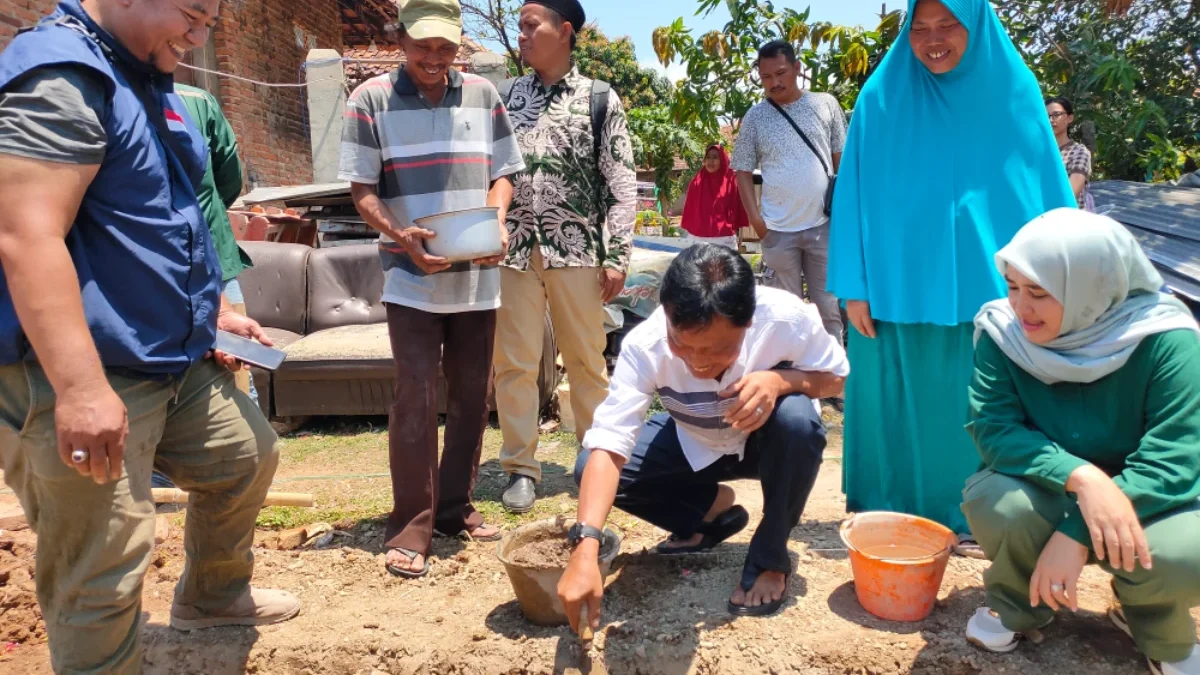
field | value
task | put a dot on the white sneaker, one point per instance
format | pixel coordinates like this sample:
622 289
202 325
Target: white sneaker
985 631
1188 666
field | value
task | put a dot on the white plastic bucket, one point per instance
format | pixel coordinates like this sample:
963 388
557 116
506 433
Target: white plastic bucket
463 235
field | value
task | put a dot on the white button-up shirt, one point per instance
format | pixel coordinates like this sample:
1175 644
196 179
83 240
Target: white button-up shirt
785 333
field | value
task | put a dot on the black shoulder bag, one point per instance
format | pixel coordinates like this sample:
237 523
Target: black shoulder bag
832 176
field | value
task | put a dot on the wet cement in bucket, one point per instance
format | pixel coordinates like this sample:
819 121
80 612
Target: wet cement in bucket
545 550
535 556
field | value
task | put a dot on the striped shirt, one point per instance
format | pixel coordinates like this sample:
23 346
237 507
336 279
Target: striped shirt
785 333
426 160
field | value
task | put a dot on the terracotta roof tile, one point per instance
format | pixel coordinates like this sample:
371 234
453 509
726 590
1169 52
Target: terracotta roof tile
373 60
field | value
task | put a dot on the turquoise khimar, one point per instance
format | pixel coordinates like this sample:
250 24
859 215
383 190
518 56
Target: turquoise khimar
938 174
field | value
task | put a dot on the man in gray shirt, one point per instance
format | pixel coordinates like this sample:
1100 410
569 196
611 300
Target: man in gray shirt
792 222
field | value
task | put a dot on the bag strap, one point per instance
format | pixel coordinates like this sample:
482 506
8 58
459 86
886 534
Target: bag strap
505 90
599 109
807 142
599 114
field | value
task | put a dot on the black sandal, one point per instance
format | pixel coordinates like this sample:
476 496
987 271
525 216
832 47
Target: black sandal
762 610
407 573
726 525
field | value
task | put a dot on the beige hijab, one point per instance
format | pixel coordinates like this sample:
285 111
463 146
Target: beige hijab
1110 292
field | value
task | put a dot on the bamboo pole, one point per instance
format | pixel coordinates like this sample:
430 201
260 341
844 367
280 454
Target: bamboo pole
177 496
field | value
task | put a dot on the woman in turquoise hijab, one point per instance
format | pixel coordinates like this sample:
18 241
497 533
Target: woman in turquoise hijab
949 154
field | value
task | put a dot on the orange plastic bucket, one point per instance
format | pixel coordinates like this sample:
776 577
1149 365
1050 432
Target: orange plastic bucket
898 562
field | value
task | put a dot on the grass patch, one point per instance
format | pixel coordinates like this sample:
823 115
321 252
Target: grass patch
343 462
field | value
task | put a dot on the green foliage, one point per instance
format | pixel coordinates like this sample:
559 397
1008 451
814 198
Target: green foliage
650 219
657 142
1134 77
722 80
615 62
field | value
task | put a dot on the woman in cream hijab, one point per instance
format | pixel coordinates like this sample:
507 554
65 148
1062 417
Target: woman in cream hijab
1085 408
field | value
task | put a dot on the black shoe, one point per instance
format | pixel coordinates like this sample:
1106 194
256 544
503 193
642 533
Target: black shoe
520 494
837 404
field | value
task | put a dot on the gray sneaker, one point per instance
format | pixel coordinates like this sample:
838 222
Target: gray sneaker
520 495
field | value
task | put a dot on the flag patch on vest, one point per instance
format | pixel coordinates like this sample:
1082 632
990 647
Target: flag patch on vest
175 120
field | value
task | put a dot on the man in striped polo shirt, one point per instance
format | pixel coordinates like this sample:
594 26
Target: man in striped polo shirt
424 140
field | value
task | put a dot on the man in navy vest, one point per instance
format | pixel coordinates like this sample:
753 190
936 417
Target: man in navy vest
109 306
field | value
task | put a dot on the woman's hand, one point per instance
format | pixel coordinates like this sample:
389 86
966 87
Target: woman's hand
1117 534
1056 576
859 313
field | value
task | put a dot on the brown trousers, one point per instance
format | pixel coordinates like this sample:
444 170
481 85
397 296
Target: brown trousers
426 495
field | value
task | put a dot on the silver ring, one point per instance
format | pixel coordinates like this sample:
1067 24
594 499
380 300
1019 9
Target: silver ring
758 411
1057 588
79 456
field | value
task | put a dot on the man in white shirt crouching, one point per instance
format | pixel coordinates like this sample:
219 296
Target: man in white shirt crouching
739 369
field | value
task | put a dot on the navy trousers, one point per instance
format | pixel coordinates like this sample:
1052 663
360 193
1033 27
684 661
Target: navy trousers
659 486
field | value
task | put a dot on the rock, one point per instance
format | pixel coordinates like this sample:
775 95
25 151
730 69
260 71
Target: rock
640 651
162 529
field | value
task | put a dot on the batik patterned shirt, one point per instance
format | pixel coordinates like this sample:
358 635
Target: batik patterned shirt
554 202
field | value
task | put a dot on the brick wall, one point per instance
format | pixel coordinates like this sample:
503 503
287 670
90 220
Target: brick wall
16 14
265 40
260 39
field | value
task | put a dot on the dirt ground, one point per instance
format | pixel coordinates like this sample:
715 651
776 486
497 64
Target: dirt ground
663 615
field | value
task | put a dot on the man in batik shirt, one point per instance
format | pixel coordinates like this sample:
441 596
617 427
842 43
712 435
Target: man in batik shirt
570 234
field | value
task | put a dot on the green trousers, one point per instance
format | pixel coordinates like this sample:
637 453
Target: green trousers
1013 520
94 541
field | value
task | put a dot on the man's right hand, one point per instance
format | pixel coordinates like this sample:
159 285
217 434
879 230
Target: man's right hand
582 584
413 241
759 225
859 313
92 419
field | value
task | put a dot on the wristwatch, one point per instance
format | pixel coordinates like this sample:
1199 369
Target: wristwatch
579 531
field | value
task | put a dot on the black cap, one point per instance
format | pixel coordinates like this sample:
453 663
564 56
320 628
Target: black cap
570 10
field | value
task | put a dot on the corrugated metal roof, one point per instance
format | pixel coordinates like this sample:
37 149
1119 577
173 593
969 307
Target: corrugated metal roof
1166 221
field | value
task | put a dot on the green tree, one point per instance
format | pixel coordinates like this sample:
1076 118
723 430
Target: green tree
657 142
1134 76
722 81
496 21
615 62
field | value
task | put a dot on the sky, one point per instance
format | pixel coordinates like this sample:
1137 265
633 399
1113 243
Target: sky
639 18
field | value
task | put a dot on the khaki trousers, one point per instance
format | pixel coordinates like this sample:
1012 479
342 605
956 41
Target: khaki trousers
577 313
94 541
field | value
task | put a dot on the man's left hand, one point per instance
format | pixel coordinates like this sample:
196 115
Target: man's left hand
756 395
232 322
611 284
499 257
